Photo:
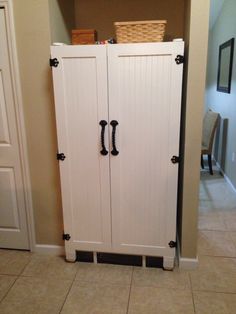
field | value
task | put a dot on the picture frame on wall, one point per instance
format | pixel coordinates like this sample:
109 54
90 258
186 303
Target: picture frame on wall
225 65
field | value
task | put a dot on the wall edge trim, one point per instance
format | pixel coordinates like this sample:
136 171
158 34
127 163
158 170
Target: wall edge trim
56 250
227 179
188 263
185 263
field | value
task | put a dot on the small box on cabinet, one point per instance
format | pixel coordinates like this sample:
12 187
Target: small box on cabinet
83 36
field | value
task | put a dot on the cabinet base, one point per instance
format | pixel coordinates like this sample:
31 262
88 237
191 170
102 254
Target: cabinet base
166 262
71 256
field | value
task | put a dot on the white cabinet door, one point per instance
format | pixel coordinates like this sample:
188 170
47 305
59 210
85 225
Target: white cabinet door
145 98
13 223
80 88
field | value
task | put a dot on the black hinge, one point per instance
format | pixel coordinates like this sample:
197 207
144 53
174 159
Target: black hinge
66 236
175 159
179 59
53 62
172 244
61 156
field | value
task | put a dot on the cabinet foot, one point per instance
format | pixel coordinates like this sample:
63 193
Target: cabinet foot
71 256
144 261
168 263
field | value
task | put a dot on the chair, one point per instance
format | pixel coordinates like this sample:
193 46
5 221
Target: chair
209 128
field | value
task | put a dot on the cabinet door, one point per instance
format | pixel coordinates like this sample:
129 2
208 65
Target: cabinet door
80 88
144 97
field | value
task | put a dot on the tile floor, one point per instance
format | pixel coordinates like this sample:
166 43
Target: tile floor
32 283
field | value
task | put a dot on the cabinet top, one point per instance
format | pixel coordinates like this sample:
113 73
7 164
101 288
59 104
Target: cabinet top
172 45
176 40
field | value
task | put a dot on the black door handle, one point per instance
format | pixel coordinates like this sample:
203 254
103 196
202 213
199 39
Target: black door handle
114 124
103 124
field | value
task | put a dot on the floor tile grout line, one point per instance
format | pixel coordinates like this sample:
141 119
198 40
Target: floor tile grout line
10 275
234 243
68 290
17 277
66 297
130 289
213 291
219 256
224 222
191 288
8 290
20 273
213 230
161 287
25 266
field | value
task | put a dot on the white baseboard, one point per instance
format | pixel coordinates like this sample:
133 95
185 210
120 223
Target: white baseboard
56 250
227 179
184 262
188 263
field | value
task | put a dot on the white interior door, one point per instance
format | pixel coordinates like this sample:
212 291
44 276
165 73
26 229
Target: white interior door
13 224
80 88
145 98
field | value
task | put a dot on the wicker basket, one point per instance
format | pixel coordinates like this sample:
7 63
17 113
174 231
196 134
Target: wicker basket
140 31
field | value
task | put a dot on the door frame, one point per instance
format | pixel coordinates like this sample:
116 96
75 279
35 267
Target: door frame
18 105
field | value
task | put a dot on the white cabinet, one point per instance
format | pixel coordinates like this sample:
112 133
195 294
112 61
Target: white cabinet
123 201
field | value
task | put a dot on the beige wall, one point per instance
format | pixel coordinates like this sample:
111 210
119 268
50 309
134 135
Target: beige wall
62 20
33 42
196 37
101 14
